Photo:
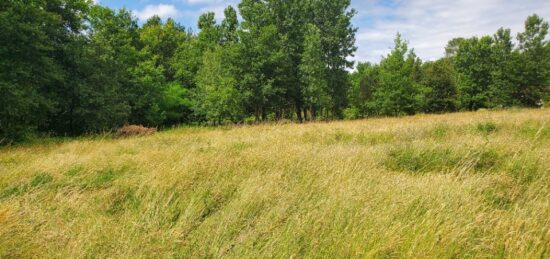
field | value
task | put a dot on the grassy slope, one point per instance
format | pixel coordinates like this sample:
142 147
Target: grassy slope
466 185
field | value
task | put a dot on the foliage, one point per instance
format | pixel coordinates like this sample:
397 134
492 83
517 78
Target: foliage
312 73
397 90
217 97
71 67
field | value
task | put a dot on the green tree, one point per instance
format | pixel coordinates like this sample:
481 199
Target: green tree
36 63
162 40
217 96
264 63
452 47
438 76
333 18
364 81
503 75
534 62
229 26
209 36
474 64
148 84
397 93
312 73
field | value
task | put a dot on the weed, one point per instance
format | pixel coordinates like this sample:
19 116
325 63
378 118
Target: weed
122 200
501 193
487 127
487 159
440 131
375 138
416 160
41 179
524 169
16 190
339 137
74 171
104 178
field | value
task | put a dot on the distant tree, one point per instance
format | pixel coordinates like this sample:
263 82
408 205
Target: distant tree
217 96
474 64
105 104
34 38
534 62
503 75
452 47
162 40
264 62
229 26
397 92
209 36
148 84
312 73
438 76
333 18
186 62
364 81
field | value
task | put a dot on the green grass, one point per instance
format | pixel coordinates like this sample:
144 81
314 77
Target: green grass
465 185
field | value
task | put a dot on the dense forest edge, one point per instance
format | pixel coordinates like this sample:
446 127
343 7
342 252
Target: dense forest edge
72 67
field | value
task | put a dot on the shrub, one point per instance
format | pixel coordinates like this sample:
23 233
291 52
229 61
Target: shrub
352 114
135 130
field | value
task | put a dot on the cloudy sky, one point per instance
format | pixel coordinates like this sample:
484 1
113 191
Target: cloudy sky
427 24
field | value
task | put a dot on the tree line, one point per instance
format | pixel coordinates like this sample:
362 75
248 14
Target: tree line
70 67
475 73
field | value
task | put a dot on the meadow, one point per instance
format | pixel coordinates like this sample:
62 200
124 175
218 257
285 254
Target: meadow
464 185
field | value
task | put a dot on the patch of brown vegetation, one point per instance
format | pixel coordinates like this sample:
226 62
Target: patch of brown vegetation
135 130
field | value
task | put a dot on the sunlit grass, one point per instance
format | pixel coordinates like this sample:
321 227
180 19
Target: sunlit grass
458 185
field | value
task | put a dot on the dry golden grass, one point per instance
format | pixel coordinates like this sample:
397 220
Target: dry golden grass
472 185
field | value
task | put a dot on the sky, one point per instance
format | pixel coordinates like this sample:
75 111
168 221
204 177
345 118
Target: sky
426 24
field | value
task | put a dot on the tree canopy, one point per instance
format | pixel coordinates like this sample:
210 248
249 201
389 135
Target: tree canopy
71 67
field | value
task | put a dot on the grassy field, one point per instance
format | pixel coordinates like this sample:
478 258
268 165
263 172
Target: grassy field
472 185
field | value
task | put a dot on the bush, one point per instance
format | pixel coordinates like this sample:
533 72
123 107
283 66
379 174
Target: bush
351 113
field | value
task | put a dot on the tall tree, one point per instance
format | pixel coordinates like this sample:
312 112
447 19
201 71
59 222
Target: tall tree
312 73
452 47
364 81
503 76
229 26
397 92
474 64
41 42
333 18
438 76
209 36
217 96
534 62
264 62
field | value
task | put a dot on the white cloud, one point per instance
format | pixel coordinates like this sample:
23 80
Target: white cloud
162 10
429 24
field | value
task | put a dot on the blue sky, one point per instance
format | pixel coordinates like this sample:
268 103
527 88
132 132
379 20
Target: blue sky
427 24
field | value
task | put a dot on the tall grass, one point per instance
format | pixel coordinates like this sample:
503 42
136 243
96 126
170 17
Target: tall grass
471 185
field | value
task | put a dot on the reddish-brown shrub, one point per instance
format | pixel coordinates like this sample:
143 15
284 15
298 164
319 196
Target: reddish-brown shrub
135 130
